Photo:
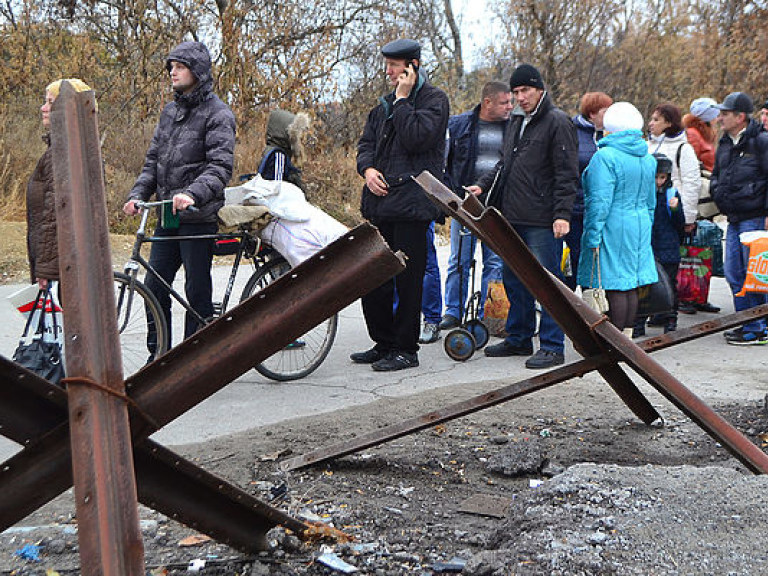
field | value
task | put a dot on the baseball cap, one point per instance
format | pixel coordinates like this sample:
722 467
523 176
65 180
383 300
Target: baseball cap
737 102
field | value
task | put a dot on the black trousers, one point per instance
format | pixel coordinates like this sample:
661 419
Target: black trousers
398 329
196 256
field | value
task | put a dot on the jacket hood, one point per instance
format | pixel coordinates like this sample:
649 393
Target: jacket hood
629 141
195 56
284 131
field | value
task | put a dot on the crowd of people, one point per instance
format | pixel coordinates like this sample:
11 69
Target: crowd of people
620 193
619 198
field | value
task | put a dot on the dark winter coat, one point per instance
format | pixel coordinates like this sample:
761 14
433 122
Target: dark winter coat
739 181
585 135
401 140
192 150
535 182
668 228
42 243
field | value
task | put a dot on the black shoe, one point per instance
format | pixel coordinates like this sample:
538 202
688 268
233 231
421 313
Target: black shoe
544 359
367 357
638 331
449 321
504 348
707 307
396 361
734 334
671 326
687 308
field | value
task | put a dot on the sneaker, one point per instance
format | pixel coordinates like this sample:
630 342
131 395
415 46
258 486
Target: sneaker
396 361
430 333
367 357
745 338
734 334
449 321
504 348
671 326
707 307
686 308
544 359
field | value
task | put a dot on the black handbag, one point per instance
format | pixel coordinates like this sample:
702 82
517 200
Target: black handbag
37 355
656 298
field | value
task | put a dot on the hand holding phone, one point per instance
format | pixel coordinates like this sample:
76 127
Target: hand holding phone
407 80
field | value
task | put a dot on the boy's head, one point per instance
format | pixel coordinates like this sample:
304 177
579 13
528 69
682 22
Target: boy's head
663 171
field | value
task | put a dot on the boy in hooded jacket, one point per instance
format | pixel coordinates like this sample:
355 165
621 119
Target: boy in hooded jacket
667 234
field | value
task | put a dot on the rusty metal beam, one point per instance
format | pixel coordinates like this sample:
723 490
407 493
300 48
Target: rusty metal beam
494 230
569 310
329 281
31 406
102 458
506 393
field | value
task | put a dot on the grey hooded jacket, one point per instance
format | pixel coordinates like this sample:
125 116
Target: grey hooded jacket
192 150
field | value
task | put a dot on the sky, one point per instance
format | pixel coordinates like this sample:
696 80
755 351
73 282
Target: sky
478 26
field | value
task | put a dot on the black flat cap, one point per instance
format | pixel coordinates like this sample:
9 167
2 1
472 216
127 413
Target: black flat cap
404 49
737 102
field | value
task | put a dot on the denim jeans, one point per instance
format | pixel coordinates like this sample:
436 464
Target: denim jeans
521 320
432 296
458 281
736 260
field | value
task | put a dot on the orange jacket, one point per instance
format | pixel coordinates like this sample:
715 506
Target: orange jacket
705 151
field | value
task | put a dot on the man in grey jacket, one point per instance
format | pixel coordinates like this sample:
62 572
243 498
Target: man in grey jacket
534 186
189 162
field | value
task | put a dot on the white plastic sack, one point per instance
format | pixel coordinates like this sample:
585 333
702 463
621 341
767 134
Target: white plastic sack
283 199
24 300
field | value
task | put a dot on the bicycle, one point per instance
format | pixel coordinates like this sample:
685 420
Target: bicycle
140 319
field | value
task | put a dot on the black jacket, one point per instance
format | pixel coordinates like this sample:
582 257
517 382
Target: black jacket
740 177
401 140
535 182
192 150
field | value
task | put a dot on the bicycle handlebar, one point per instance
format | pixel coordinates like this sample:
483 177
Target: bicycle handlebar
141 205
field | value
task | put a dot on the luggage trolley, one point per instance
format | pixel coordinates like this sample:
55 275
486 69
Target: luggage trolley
461 343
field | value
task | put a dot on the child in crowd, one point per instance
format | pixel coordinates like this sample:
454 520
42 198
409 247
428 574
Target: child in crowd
666 237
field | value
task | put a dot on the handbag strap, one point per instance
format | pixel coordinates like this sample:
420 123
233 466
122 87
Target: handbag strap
596 266
42 294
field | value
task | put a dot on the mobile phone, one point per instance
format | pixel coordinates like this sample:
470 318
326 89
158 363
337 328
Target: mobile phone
412 64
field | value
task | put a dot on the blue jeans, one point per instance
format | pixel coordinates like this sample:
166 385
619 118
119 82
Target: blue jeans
521 320
432 296
457 283
736 260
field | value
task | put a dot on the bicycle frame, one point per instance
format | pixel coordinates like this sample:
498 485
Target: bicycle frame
137 261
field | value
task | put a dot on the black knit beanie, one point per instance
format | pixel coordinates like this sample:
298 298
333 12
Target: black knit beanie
526 75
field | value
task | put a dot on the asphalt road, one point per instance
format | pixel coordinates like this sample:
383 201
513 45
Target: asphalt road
711 368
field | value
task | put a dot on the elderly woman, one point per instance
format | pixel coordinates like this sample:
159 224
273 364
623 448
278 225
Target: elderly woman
42 244
619 201
700 132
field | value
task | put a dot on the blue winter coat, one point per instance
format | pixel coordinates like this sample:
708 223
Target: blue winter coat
585 132
620 197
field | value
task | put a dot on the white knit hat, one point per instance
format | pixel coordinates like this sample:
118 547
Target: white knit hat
622 116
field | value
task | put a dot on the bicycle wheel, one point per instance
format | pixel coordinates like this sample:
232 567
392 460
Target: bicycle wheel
138 312
302 356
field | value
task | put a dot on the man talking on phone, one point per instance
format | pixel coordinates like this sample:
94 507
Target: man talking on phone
403 136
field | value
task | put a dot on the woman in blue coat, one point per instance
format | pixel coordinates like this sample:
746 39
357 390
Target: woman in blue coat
620 198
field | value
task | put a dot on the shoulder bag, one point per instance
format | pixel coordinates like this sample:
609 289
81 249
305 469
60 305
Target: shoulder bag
595 297
34 353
